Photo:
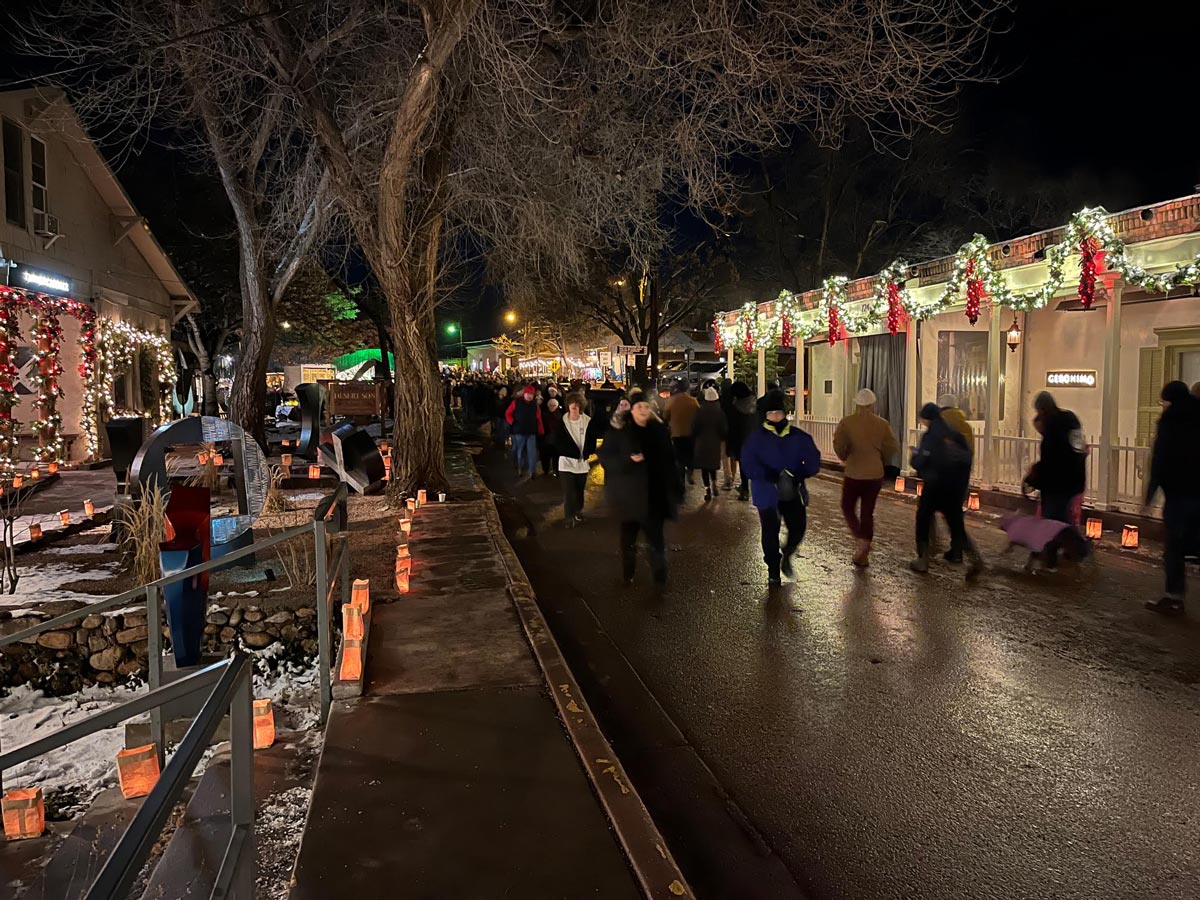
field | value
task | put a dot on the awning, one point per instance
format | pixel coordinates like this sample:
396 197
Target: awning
358 357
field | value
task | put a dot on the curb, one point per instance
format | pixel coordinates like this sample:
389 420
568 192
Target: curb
645 849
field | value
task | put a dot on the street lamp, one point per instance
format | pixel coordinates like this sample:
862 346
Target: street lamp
452 329
285 325
510 318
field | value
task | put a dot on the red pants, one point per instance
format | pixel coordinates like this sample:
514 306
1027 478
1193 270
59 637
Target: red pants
853 490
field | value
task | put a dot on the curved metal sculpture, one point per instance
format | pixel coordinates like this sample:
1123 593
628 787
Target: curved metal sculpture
251 477
311 398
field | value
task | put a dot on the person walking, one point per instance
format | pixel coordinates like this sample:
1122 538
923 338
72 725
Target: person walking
708 433
680 414
943 462
760 406
500 427
728 463
956 419
867 445
642 483
575 441
741 424
777 458
1174 471
546 449
1060 474
525 417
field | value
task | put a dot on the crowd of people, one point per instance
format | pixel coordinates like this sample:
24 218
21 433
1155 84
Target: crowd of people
651 451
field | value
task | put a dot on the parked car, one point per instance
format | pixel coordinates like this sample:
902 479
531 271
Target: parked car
677 370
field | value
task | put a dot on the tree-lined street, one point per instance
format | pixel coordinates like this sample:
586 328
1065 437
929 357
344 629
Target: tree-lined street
884 735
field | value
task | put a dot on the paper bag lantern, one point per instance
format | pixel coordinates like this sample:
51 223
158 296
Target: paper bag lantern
900 484
352 622
1129 537
402 572
202 457
1095 527
264 724
52 468
920 487
18 480
89 508
218 459
387 468
973 501
137 771
286 460
411 504
314 472
351 661
360 594
24 813
402 552
35 474
441 496
35 532
421 498
406 526
64 516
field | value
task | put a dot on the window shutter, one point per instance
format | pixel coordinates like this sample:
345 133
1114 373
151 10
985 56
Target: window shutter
1151 377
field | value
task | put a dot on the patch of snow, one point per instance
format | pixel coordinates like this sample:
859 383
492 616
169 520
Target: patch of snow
294 689
43 583
278 825
80 550
81 769
307 495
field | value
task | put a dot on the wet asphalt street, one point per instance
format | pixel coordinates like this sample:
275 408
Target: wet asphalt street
878 734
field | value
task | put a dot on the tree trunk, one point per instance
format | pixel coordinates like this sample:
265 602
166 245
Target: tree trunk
247 398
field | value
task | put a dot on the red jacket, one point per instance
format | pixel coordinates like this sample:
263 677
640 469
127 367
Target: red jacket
525 417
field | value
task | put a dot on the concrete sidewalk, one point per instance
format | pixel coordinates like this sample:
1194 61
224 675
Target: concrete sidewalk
453 776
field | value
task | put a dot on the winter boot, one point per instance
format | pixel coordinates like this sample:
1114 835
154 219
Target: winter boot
707 494
862 556
1167 605
785 563
921 563
974 564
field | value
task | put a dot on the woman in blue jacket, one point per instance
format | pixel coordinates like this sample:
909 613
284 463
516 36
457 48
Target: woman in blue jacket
776 459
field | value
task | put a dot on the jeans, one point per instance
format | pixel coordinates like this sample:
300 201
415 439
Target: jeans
525 452
866 490
652 527
572 484
949 504
1181 521
1058 508
795 516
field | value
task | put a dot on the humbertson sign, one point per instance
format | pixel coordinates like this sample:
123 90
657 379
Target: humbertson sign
1085 378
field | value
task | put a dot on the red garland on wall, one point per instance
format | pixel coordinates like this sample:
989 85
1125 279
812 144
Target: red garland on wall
748 343
895 311
785 332
718 344
835 325
974 293
1088 249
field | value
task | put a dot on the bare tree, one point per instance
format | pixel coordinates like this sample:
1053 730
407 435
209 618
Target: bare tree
143 64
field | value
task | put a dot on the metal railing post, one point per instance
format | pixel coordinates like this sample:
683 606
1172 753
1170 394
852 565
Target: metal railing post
323 639
241 784
154 669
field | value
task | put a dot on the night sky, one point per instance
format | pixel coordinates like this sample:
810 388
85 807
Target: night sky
1106 100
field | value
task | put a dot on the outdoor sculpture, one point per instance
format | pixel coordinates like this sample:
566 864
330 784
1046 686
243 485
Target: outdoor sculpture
311 398
355 457
125 436
187 513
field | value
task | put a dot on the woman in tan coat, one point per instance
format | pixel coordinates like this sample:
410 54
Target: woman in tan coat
866 443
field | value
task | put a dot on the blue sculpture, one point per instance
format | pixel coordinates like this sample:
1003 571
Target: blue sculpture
188 544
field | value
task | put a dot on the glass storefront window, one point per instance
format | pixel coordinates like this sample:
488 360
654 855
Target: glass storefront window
962 370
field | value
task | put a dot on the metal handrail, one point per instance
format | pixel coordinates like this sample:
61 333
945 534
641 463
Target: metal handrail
230 685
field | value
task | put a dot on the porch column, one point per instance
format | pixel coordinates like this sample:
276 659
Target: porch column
762 371
912 397
729 363
992 416
1111 399
848 390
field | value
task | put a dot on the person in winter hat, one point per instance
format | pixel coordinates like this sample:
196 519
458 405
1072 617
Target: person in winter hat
708 433
777 458
867 445
741 423
1060 474
525 417
956 419
1174 471
642 483
943 462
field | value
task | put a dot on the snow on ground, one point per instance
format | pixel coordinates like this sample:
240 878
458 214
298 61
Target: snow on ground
80 550
72 776
277 830
308 495
43 583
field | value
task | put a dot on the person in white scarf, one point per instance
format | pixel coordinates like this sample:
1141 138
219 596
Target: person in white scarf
575 442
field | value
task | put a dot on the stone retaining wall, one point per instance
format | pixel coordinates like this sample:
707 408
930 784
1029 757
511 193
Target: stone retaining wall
111 647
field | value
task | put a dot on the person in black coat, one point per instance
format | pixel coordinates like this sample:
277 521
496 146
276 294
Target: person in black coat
1060 474
741 421
1174 471
642 484
943 462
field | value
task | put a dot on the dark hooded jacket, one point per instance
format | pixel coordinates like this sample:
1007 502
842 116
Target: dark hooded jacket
942 459
640 490
1173 464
